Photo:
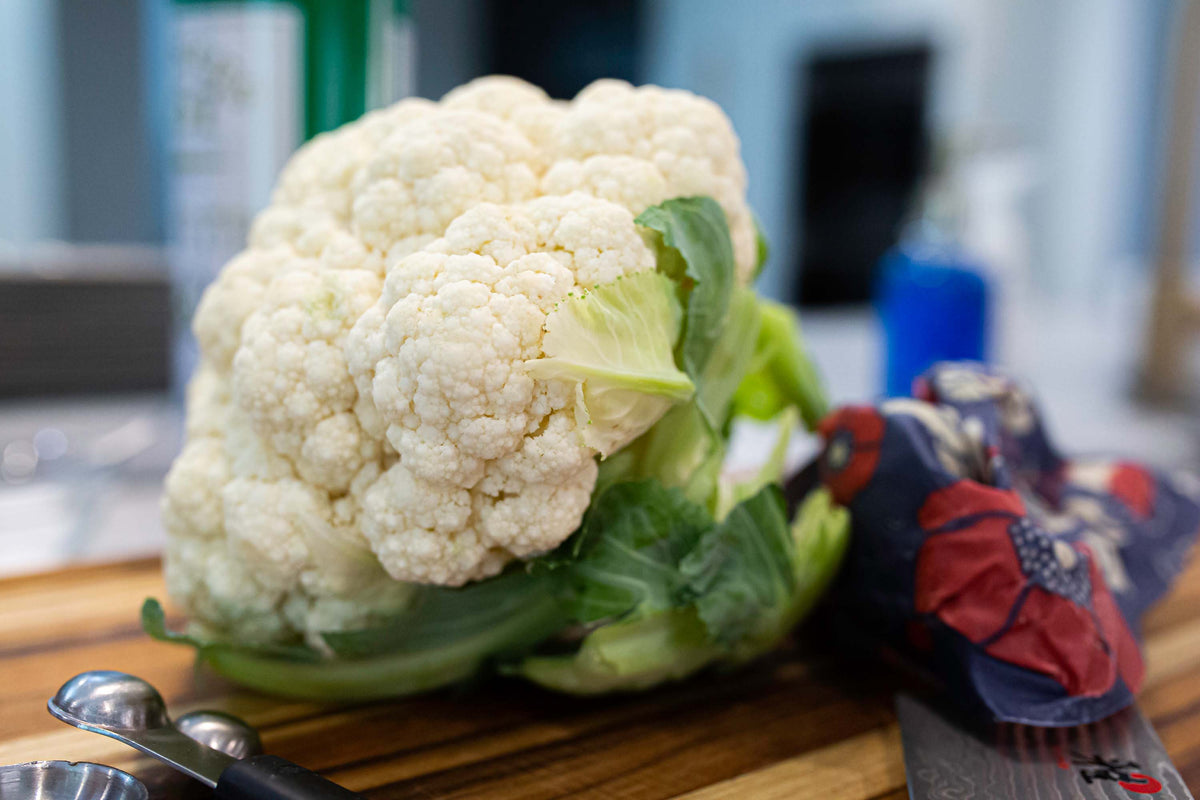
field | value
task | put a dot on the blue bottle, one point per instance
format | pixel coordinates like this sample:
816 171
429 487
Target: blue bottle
933 305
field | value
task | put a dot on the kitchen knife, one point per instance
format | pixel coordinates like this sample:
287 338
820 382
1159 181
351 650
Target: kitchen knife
1119 757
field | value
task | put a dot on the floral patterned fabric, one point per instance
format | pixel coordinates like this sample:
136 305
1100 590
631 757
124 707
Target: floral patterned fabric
1018 574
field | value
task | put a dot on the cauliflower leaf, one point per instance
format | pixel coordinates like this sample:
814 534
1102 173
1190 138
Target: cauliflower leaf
442 637
771 471
624 558
687 447
615 343
650 589
627 656
735 591
742 568
754 576
782 374
695 244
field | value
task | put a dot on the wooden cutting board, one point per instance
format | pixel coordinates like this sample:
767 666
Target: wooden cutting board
811 722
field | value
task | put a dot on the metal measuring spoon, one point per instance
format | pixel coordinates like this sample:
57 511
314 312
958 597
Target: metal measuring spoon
68 780
130 710
220 731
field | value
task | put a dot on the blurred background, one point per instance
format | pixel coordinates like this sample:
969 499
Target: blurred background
1006 179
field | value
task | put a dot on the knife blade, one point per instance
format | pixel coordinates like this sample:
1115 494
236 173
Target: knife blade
1119 757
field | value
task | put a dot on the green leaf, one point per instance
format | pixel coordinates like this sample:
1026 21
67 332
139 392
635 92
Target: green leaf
500 615
740 574
624 560
695 230
746 582
154 623
686 448
670 590
770 472
619 467
755 577
762 248
615 343
821 531
446 636
622 570
339 679
627 656
782 374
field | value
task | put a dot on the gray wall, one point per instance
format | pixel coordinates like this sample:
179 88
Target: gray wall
449 44
1079 83
1074 84
30 162
111 155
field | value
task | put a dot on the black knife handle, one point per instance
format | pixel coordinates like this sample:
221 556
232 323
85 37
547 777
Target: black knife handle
275 778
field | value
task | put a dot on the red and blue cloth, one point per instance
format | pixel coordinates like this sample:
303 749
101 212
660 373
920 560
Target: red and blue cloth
1018 574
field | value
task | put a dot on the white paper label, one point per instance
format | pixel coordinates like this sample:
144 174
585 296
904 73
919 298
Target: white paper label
391 69
402 53
237 117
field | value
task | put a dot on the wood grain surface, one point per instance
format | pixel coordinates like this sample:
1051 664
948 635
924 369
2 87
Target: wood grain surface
810 722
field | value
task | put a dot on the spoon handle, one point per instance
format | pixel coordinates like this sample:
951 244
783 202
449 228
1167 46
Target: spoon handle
275 778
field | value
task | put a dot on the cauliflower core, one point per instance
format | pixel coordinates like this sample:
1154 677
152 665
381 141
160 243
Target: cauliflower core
364 416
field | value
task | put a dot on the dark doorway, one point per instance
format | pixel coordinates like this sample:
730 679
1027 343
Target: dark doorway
863 149
565 46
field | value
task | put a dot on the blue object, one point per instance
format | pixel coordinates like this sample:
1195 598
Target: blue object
933 306
986 555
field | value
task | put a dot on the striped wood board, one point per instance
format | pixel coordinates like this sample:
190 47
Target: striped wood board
810 722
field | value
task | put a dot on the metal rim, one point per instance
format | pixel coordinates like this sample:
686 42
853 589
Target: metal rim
51 780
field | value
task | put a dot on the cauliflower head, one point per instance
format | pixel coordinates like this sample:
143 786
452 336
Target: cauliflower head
387 392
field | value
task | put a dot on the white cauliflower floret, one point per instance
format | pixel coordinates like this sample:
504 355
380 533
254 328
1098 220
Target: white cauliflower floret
267 555
290 374
321 172
434 168
518 102
236 293
208 403
443 360
268 524
687 139
542 488
625 180
499 95
423 526
364 414
193 490
221 592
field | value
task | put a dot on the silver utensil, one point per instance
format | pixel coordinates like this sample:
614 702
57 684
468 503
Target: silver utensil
947 754
66 780
130 710
220 731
